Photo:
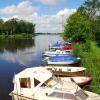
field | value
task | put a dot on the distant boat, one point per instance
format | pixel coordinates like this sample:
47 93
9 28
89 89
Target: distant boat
66 48
62 60
51 53
55 46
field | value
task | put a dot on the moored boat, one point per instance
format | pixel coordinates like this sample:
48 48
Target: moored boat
62 60
66 71
55 53
66 48
55 46
82 80
39 84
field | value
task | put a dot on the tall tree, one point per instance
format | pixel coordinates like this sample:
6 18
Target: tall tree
78 27
90 8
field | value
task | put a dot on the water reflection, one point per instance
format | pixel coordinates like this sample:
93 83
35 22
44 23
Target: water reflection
26 51
13 45
16 53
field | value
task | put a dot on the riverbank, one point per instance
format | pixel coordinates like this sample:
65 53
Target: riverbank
91 60
17 36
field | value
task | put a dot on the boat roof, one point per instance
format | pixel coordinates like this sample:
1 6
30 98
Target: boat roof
62 58
39 73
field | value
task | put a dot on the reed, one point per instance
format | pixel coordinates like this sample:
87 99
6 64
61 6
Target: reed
90 58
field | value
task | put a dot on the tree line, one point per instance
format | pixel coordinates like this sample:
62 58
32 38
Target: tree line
83 29
84 24
16 26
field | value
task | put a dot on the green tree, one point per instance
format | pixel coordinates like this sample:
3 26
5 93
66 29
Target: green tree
90 8
97 30
1 26
77 27
16 26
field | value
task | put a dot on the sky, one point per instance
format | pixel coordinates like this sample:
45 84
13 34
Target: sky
48 15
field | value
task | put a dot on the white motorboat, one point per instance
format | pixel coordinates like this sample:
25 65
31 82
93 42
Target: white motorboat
55 53
39 84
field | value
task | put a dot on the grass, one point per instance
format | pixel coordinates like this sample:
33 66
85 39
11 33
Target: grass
17 36
91 60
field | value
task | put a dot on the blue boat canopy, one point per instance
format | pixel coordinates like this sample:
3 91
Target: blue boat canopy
56 45
62 58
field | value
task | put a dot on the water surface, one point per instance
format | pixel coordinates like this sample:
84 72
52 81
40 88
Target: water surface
15 55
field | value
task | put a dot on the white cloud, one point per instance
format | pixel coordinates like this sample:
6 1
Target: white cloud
53 23
22 57
66 12
51 2
23 8
44 23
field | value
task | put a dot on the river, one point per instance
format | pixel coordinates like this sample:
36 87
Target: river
17 54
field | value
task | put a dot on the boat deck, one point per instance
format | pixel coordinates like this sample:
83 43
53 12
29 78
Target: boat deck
69 91
91 96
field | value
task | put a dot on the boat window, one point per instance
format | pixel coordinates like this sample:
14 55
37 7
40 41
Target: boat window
36 82
25 82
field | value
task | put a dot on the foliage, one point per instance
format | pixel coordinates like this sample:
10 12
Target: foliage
96 30
90 8
15 26
84 26
1 25
78 27
91 60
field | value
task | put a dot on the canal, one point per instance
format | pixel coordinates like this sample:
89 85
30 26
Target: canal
18 54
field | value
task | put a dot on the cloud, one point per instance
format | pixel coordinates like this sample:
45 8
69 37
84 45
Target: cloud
22 57
51 2
53 23
44 23
23 8
66 12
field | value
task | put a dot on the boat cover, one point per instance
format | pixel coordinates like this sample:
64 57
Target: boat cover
62 58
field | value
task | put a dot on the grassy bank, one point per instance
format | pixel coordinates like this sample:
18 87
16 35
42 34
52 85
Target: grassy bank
17 36
91 60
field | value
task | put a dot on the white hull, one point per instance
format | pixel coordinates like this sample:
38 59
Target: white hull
55 53
52 55
61 63
80 80
91 96
65 69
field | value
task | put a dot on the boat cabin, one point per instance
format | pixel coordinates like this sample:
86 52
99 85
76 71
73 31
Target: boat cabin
29 80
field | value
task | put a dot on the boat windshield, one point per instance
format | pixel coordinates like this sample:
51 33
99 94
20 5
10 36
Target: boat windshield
50 82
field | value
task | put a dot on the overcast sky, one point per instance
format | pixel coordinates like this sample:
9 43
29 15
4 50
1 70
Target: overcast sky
48 15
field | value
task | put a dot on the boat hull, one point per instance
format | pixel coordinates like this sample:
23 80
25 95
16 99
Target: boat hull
61 62
66 71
